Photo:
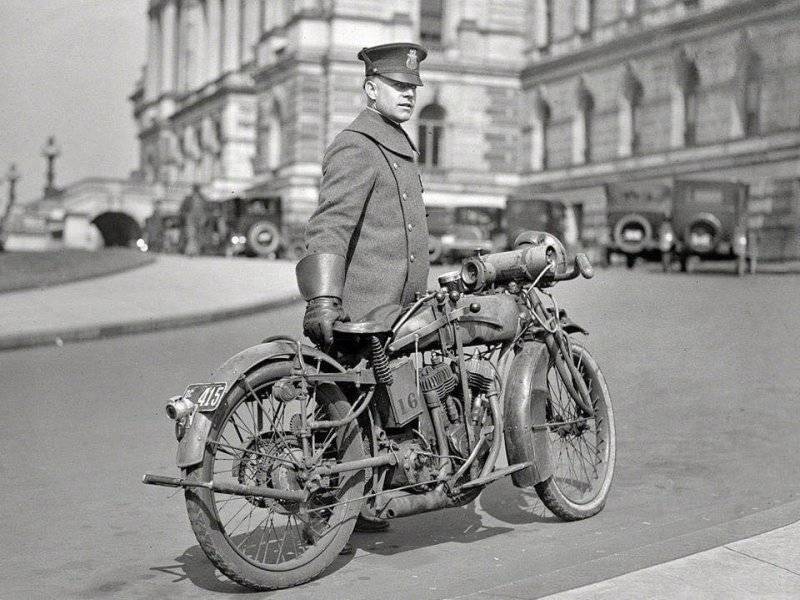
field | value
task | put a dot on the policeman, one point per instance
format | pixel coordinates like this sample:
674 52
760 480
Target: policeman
367 242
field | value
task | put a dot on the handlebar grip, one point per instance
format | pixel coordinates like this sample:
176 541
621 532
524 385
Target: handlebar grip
584 266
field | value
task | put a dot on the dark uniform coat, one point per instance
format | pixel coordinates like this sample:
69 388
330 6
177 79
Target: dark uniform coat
371 212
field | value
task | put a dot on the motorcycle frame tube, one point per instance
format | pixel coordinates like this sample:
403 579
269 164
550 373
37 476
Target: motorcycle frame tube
525 403
192 446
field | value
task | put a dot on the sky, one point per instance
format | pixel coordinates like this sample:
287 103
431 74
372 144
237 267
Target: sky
67 68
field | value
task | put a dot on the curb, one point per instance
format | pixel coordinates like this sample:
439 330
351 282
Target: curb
80 334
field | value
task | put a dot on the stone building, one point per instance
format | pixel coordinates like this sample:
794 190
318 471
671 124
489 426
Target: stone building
243 94
540 98
628 90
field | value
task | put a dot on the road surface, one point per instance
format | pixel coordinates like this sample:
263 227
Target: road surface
704 376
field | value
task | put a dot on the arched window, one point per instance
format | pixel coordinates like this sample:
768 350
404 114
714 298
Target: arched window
268 150
691 104
746 89
431 19
538 132
582 125
752 104
430 133
630 115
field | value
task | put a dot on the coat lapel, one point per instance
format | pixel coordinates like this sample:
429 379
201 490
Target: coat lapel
383 132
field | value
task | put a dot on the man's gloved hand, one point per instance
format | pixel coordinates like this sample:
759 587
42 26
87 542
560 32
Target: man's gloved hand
321 314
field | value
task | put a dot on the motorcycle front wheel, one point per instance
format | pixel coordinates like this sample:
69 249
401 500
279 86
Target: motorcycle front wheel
582 448
262 543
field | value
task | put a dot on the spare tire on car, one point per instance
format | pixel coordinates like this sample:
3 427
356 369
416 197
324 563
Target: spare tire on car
263 238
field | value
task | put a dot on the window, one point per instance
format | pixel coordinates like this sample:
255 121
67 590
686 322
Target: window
636 126
542 23
430 133
538 133
631 113
691 105
752 102
430 23
582 125
268 151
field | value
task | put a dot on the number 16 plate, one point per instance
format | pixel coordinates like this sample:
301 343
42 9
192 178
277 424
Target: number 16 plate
207 396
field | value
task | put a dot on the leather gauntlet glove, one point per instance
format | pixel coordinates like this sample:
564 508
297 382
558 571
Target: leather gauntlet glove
321 314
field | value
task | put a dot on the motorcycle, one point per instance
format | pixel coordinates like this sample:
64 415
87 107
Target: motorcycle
407 412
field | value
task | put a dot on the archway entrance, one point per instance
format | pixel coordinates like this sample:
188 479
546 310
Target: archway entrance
118 229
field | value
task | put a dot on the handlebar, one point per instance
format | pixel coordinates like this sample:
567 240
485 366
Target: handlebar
581 266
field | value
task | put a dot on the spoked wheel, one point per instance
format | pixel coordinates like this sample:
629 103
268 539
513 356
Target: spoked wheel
582 449
264 543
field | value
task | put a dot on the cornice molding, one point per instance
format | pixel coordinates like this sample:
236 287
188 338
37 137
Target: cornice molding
730 154
663 37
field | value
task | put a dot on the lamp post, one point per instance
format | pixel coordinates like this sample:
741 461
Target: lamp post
51 151
12 176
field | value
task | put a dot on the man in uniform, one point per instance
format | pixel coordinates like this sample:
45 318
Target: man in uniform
367 241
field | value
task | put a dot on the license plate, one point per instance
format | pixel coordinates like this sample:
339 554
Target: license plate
633 235
701 239
207 396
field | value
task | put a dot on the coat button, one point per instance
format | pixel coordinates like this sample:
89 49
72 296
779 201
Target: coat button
410 226
405 196
411 258
394 165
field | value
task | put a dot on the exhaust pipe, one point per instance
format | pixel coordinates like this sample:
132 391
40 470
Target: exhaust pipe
178 408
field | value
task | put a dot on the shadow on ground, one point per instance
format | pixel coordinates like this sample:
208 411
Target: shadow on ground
462 525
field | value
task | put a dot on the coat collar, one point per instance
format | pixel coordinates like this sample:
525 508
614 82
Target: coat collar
384 132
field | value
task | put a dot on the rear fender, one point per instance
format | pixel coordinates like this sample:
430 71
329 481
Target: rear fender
525 405
193 444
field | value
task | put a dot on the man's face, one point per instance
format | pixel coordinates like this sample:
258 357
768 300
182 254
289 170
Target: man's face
393 99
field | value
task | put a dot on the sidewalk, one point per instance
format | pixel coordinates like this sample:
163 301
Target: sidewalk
763 566
174 291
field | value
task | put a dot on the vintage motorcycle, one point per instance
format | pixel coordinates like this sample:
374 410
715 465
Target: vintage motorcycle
407 412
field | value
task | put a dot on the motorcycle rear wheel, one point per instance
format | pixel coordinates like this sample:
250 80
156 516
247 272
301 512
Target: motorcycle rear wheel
582 449
261 543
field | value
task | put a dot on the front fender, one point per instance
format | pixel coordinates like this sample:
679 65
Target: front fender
525 405
192 445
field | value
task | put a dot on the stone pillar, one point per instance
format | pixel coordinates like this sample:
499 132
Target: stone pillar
231 37
251 28
152 83
168 50
214 38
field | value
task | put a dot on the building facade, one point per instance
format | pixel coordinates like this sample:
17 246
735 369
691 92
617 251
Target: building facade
246 94
632 90
536 98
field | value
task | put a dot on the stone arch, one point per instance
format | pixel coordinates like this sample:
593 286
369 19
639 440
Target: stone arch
117 228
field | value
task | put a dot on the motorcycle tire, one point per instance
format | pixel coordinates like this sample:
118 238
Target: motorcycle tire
284 548
577 491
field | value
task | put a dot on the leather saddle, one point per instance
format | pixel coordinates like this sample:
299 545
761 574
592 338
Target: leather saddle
376 322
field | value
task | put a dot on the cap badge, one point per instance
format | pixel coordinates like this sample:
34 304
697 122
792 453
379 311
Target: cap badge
411 59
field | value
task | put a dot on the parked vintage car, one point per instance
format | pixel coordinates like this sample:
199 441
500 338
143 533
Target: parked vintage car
456 232
710 222
638 218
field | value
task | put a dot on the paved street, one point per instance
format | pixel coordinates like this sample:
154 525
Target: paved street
704 377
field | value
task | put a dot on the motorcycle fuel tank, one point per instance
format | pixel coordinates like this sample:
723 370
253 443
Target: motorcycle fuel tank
496 321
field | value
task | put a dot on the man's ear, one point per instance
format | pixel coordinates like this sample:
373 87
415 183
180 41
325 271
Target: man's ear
370 89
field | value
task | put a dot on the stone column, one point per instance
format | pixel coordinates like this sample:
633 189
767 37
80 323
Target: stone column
214 38
168 50
231 36
251 28
152 82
